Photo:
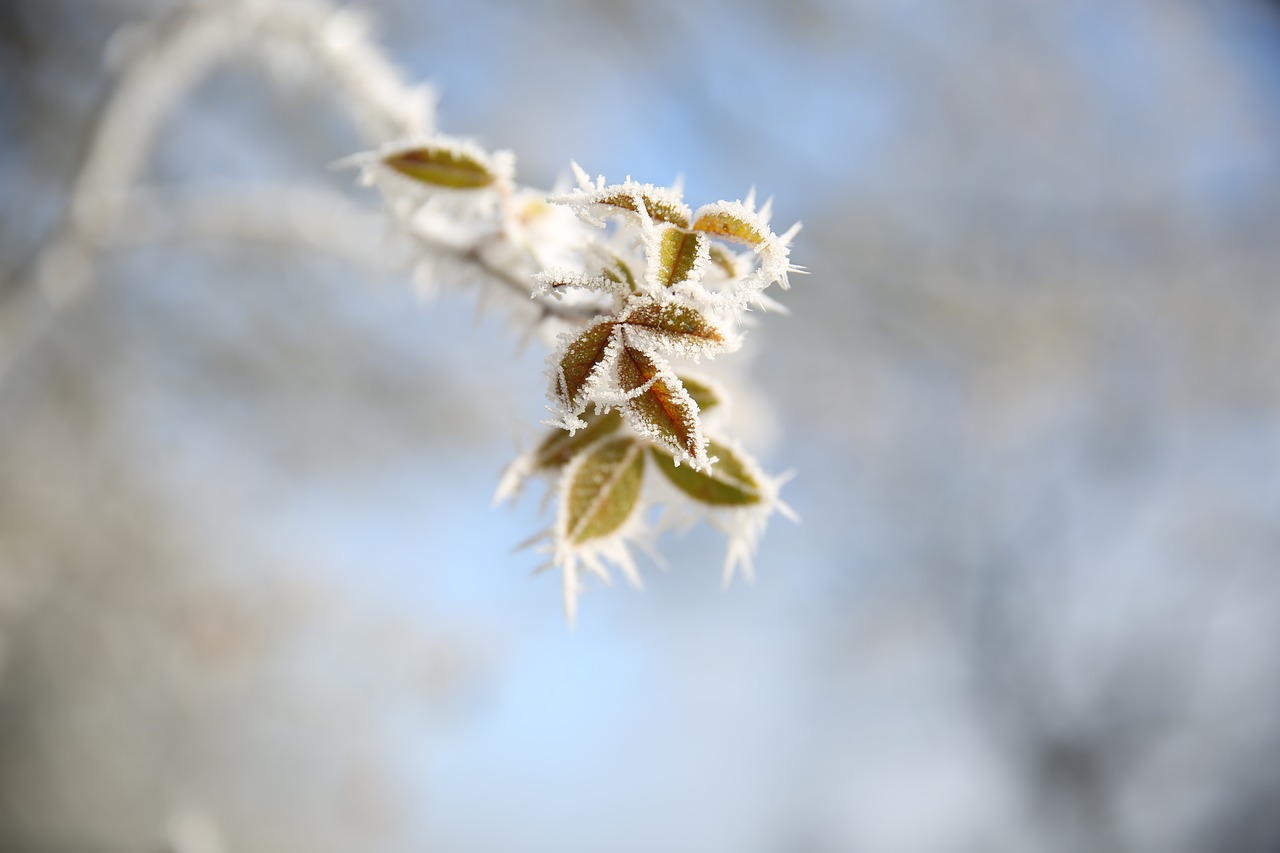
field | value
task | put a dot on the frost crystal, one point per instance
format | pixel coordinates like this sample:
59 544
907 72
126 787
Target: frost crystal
674 288
625 282
631 286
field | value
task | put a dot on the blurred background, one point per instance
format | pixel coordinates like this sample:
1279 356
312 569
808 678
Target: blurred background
253 596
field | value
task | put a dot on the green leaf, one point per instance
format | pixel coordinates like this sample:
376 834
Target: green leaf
730 222
703 394
559 447
664 411
727 483
603 490
621 274
724 259
442 166
678 253
659 210
581 358
675 324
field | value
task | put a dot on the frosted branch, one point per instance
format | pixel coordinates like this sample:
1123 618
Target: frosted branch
637 283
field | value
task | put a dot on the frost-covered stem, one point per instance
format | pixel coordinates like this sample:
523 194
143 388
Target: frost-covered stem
477 254
521 286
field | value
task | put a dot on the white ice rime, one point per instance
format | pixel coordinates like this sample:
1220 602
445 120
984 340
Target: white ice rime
676 284
626 283
641 287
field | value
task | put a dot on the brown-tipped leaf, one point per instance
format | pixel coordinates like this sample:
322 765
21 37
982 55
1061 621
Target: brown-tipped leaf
603 491
581 358
441 166
727 483
559 447
676 324
664 410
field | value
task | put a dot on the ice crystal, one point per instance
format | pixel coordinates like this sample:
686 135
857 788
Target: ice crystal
640 286
626 282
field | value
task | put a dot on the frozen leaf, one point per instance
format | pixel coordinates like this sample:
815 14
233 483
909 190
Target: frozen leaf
602 490
619 273
734 495
725 260
580 360
659 407
559 447
729 482
656 204
703 394
443 164
681 256
732 221
658 208
671 325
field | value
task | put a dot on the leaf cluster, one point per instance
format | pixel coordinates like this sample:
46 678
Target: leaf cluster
650 286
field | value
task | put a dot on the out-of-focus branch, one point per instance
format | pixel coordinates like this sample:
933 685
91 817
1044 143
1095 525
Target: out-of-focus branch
158 64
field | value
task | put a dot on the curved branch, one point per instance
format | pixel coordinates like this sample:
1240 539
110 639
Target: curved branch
157 65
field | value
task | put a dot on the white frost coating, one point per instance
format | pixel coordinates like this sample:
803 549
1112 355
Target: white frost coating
745 525
772 251
513 478
693 424
653 236
742 525
740 211
599 389
673 342
559 281
595 557
515 241
596 554
670 325
596 203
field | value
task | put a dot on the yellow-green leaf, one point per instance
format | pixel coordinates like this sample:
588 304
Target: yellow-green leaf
727 483
442 166
720 220
664 410
659 210
676 323
603 490
724 259
560 446
581 358
620 273
678 252
702 393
